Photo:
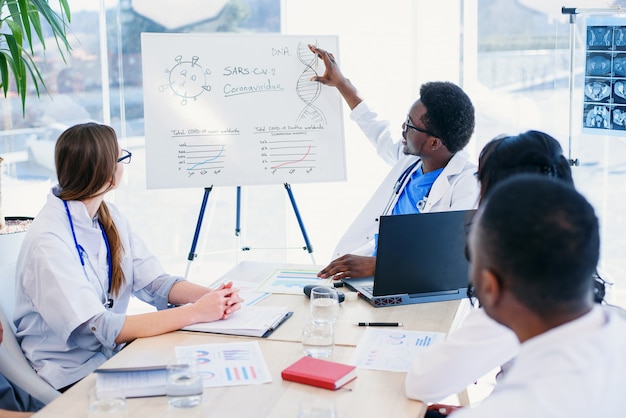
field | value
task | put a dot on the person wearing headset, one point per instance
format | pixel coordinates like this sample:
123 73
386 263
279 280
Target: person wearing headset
430 173
81 262
481 344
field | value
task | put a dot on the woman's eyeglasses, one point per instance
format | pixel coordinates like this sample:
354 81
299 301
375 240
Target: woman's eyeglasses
125 158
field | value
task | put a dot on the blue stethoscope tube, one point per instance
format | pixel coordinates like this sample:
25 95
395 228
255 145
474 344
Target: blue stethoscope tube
400 183
80 250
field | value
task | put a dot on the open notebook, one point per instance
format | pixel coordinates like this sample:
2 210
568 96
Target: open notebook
420 258
252 321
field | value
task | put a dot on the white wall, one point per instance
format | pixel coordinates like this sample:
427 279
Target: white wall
387 49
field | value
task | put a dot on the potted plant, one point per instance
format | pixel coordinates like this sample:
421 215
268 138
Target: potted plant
25 24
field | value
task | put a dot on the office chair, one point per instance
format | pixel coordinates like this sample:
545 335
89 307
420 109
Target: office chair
13 364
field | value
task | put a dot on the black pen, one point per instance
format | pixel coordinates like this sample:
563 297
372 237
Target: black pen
379 324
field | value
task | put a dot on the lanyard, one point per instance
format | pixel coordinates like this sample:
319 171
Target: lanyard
80 250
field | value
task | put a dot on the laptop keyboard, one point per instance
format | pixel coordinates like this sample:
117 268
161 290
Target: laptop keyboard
369 289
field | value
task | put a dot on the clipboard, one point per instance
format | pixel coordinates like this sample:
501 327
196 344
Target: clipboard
277 324
250 321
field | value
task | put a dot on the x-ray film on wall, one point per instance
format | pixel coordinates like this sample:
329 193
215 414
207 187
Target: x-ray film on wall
604 90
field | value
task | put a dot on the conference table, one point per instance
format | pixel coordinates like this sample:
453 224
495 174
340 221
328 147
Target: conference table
374 393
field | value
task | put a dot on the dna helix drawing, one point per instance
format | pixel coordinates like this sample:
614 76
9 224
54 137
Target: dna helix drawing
308 91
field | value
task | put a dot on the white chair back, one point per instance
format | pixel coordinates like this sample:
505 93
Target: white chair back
13 364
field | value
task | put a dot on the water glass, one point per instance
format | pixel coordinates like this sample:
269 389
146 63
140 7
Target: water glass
318 338
184 385
106 405
324 304
317 407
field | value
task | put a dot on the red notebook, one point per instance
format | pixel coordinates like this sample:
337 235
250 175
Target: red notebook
322 373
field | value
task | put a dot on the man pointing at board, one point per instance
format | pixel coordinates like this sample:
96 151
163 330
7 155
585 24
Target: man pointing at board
431 172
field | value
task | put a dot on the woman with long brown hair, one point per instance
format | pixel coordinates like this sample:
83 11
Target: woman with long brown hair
81 262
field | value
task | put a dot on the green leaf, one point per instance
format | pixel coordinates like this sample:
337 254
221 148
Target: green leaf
4 70
25 21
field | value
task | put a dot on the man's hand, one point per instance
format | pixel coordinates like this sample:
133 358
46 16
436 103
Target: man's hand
334 77
349 265
332 74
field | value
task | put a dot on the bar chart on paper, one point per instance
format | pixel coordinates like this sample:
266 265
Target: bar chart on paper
391 350
229 364
291 281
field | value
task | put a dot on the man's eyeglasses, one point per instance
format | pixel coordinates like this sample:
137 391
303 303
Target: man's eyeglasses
407 126
125 158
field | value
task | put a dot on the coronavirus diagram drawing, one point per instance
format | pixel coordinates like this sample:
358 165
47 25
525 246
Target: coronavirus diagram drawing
604 90
236 110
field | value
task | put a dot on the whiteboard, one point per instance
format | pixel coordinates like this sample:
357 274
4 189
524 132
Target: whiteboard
239 109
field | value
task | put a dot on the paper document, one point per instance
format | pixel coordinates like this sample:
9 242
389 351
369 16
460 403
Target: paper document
391 350
291 281
229 364
131 383
252 321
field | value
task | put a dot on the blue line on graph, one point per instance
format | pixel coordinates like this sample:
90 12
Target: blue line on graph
236 354
228 376
245 373
208 160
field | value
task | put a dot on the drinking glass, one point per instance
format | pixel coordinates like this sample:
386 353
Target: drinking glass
324 304
317 407
317 338
184 385
101 405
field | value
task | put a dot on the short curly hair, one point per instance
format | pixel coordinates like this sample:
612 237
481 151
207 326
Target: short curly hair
449 113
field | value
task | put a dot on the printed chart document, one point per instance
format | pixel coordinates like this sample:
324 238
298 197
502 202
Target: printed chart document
252 321
291 281
228 364
391 350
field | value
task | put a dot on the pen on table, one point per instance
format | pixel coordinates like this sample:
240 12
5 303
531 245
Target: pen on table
378 324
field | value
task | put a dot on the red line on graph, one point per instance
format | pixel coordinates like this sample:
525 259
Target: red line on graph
236 370
296 161
252 372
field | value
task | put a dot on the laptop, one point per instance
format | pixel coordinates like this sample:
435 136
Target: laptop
420 258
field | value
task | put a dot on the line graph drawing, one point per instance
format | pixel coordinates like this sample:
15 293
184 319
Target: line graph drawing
289 154
201 158
308 91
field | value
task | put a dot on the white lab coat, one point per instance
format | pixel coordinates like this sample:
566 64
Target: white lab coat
576 370
62 325
479 346
456 188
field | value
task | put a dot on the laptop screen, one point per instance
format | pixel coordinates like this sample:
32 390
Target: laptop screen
422 253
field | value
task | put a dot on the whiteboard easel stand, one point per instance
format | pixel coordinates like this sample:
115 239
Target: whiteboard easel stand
207 191
572 12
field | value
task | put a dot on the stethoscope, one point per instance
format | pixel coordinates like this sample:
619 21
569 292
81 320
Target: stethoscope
109 300
398 186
